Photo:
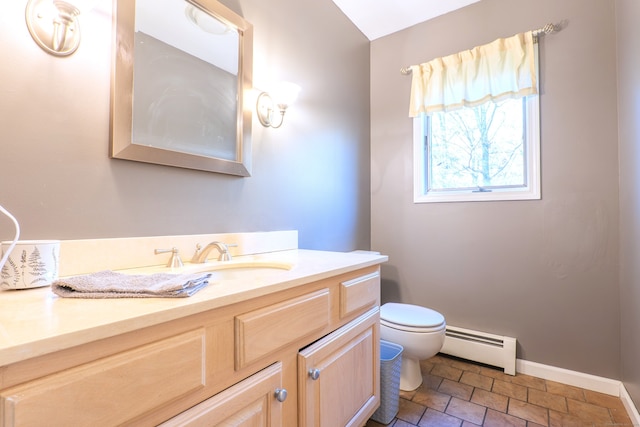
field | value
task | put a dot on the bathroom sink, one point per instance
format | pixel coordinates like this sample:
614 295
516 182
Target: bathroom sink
240 268
243 273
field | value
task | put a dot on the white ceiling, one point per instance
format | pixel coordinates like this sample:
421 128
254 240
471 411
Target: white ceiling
378 18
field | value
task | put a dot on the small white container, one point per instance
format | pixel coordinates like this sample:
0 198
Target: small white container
31 264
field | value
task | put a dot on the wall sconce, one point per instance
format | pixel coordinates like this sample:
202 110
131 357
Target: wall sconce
54 24
204 21
276 102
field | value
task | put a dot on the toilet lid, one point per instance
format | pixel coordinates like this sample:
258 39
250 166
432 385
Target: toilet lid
410 315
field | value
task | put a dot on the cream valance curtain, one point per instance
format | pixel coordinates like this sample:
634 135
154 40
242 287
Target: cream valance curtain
499 70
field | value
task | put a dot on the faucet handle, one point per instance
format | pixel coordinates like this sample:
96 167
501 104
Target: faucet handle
174 261
196 254
225 255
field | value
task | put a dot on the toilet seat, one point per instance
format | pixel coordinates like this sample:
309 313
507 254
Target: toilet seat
411 318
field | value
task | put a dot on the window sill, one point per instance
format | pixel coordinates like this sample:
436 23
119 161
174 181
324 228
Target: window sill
488 196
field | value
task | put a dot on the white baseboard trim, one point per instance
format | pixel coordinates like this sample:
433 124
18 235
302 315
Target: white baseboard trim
565 376
632 411
579 379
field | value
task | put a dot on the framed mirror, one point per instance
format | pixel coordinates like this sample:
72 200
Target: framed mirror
181 72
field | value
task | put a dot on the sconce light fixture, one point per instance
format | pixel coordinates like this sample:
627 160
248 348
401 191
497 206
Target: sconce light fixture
275 103
204 21
54 24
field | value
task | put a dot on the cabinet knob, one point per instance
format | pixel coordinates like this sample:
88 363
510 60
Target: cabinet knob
314 374
281 394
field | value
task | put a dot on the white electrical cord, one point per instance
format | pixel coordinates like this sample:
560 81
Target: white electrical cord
15 239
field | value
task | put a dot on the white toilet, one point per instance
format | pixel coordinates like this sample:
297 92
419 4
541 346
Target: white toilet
419 330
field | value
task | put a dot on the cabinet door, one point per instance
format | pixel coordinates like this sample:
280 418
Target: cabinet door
254 402
339 380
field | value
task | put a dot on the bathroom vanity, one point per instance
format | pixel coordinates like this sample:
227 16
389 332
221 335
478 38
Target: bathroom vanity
256 347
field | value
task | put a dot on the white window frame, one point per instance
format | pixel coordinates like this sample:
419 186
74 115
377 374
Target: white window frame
532 165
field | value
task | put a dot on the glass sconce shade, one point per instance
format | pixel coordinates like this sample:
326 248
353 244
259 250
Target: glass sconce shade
284 94
275 102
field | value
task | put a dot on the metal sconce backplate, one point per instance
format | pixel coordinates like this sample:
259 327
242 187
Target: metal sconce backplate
56 31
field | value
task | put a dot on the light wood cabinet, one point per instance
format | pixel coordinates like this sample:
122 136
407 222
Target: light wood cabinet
226 366
250 403
359 293
111 390
266 330
339 376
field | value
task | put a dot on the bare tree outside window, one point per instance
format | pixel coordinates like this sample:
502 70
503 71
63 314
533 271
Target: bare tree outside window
477 148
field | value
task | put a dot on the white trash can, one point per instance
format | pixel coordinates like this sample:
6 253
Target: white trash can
390 365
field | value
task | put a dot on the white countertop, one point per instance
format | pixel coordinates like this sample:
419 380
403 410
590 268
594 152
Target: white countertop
34 322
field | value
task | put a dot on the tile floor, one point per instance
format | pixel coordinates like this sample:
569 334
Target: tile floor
457 393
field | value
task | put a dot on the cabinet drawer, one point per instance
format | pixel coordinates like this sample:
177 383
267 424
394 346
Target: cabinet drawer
112 390
359 294
268 329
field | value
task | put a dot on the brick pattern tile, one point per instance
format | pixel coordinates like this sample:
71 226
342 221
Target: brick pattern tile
500 419
465 366
490 400
529 381
476 380
620 417
559 419
434 418
446 371
588 412
602 399
432 399
432 381
410 412
514 391
529 412
466 410
458 393
547 400
565 390
455 389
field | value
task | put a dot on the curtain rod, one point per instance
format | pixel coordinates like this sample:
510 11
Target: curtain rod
547 29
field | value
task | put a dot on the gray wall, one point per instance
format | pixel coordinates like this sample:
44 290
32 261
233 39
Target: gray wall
311 175
545 272
627 13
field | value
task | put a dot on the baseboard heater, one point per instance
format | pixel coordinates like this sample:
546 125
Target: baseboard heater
481 347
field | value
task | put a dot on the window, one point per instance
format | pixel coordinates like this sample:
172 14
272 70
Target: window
487 152
476 123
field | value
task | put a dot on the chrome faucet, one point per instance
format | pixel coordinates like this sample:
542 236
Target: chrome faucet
200 256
